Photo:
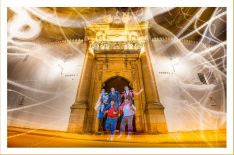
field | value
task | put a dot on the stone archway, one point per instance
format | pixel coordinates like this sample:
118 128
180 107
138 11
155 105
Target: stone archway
116 70
116 82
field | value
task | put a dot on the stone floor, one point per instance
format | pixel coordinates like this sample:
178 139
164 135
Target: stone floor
21 137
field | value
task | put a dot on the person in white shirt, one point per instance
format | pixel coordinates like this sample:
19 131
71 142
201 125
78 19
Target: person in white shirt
128 110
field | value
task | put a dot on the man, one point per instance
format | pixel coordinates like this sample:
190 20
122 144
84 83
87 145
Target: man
115 96
112 117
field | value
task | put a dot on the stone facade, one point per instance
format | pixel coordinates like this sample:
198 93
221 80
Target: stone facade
131 64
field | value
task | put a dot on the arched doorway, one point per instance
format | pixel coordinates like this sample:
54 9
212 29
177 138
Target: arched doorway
118 83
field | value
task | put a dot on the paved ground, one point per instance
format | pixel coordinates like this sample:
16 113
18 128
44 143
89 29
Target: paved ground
19 137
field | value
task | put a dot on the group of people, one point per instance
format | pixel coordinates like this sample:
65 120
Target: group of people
115 104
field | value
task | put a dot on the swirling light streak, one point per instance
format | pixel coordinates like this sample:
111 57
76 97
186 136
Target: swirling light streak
38 103
12 90
195 17
204 36
23 26
29 88
202 60
178 40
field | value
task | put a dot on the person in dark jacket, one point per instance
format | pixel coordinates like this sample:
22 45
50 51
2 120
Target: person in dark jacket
115 96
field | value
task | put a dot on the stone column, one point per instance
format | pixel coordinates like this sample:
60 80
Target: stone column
154 111
138 114
80 107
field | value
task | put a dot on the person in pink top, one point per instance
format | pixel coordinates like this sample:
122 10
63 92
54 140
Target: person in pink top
130 93
128 111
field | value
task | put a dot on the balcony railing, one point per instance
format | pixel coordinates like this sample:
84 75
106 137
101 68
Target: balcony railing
111 46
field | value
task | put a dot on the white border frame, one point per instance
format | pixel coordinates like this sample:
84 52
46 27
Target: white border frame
119 3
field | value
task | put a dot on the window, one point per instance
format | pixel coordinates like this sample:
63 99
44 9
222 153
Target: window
202 78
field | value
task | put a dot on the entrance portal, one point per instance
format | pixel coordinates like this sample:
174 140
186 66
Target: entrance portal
118 83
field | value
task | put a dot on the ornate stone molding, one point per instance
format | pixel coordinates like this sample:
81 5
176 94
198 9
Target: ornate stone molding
106 38
186 41
124 46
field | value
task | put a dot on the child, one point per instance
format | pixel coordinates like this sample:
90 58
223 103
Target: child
128 110
112 117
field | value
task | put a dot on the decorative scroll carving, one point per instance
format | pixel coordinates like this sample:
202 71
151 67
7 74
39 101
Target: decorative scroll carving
100 46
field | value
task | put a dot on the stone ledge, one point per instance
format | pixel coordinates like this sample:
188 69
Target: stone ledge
79 105
153 105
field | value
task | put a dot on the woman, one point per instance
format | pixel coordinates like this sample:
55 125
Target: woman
128 110
130 93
